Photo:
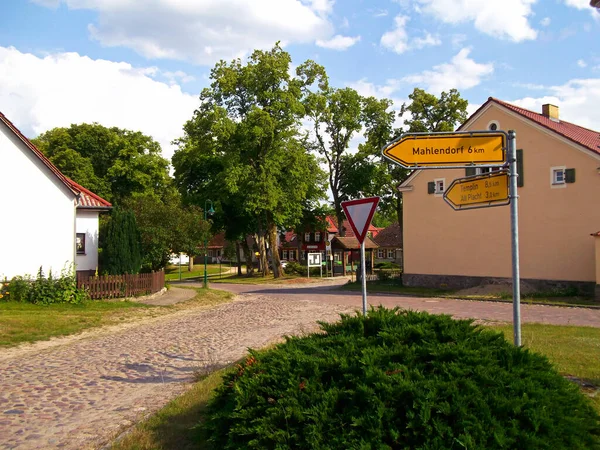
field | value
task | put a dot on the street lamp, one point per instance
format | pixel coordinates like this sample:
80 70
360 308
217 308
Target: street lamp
211 211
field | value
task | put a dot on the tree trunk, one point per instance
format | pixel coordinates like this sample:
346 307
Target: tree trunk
275 260
262 250
299 245
190 263
248 255
238 258
340 218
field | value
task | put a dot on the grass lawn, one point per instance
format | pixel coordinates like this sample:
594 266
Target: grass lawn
574 351
538 298
25 322
172 272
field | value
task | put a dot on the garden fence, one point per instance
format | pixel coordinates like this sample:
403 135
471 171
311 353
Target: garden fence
115 286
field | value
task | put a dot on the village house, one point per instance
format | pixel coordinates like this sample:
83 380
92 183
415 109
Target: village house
559 188
315 241
48 220
389 241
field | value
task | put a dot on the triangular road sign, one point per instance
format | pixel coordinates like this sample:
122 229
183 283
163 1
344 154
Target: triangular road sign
360 213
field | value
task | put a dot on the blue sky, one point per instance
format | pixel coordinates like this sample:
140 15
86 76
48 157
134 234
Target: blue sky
141 64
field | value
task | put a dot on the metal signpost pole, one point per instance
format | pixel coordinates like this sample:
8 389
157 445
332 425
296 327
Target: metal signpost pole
363 276
514 222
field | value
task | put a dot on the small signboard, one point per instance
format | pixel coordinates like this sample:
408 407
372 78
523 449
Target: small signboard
418 150
479 191
360 213
314 260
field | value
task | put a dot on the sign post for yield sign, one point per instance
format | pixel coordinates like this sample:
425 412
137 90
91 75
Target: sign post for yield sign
360 213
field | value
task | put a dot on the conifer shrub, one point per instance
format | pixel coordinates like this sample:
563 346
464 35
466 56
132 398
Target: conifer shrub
398 380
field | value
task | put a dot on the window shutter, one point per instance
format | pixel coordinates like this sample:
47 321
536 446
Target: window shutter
469 171
570 176
520 180
431 187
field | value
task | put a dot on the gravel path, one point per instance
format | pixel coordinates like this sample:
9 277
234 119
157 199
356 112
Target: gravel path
81 395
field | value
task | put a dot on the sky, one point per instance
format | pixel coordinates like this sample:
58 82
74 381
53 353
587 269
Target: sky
141 64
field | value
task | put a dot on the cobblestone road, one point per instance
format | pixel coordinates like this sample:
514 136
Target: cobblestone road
81 395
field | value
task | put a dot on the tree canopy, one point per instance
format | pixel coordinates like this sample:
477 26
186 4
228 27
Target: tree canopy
112 162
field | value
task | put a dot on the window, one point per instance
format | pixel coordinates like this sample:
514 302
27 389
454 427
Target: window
80 243
557 176
306 237
380 253
293 255
391 253
317 237
440 185
285 254
493 125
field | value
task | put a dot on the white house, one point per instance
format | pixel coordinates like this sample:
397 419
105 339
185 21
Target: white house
47 220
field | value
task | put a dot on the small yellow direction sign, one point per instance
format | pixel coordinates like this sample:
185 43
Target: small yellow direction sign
479 191
447 149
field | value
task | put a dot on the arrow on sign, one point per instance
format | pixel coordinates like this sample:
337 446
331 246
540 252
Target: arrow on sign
447 149
360 213
479 191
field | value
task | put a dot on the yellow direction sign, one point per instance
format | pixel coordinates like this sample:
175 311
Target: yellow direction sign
479 191
447 149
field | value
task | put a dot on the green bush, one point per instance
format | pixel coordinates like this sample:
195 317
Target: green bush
44 290
399 380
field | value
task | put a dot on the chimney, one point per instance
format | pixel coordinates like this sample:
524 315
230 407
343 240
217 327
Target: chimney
550 111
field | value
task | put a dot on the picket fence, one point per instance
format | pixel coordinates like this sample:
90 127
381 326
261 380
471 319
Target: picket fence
116 286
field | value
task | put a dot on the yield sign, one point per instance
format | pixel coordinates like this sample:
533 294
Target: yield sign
360 213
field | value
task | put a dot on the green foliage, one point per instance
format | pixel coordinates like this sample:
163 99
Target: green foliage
44 290
399 380
167 227
121 253
112 162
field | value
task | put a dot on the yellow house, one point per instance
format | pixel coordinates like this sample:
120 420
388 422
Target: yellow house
559 207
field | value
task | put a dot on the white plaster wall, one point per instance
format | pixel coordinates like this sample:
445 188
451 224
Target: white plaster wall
87 222
37 221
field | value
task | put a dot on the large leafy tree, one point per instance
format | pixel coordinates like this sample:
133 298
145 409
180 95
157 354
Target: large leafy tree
243 146
112 162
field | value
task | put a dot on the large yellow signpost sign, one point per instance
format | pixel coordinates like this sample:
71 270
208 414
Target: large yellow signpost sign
447 149
478 191
485 149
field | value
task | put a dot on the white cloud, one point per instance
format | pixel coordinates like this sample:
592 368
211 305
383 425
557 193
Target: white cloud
397 39
577 99
38 94
428 41
579 4
368 89
506 19
204 31
461 73
338 42
546 21
581 63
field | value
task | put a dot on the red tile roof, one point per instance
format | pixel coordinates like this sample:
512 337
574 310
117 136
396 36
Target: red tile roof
351 243
217 241
390 236
85 197
585 137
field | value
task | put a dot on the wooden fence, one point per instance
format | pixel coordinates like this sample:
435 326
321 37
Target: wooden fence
116 286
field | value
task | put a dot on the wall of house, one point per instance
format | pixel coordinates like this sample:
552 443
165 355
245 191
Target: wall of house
597 242
87 222
38 213
555 223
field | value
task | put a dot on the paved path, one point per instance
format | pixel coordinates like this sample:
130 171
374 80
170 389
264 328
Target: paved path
81 395
489 311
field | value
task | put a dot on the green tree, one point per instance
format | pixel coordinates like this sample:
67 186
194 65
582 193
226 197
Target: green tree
122 253
191 232
113 162
244 146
